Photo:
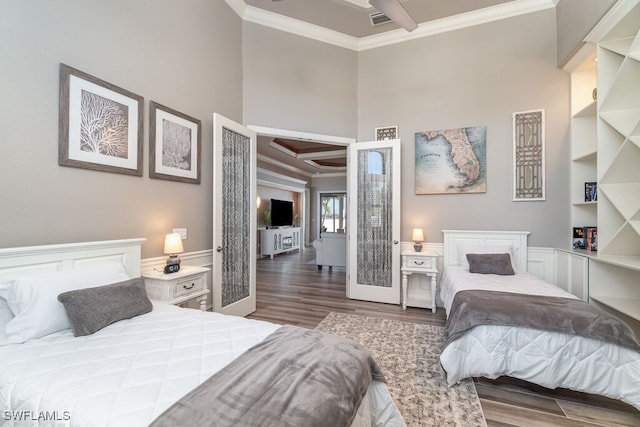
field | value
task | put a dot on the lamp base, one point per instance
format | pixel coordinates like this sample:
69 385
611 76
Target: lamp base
417 247
173 260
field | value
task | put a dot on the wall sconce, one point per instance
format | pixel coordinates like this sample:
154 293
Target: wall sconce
173 247
418 237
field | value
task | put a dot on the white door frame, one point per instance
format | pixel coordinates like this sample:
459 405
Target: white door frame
310 137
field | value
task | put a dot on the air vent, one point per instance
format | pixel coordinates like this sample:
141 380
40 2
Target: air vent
378 18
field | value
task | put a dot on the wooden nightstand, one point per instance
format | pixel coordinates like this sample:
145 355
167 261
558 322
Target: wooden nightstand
175 288
421 263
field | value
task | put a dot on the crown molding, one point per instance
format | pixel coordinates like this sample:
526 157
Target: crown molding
268 172
282 165
294 26
333 154
617 12
326 168
456 22
303 136
319 175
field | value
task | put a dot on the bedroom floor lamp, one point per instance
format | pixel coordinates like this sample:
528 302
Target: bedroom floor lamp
417 235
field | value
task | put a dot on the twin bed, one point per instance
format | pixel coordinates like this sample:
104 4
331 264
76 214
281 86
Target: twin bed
134 359
500 345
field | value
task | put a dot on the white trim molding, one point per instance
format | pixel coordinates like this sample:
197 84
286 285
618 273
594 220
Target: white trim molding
294 26
303 136
283 165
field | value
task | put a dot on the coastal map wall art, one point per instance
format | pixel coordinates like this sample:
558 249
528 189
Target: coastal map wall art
451 161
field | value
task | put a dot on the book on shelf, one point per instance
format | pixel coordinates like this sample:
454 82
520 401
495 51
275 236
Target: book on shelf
578 241
591 238
590 191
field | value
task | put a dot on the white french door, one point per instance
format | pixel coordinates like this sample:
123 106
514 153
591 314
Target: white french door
234 217
374 221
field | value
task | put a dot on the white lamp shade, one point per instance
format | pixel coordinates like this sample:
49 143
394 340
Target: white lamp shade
417 235
173 244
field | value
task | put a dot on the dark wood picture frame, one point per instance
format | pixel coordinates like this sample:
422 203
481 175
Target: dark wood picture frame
100 124
174 145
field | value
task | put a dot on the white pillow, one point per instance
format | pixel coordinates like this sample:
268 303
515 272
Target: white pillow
5 316
463 250
34 301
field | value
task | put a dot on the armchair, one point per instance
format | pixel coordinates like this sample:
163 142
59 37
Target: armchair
331 250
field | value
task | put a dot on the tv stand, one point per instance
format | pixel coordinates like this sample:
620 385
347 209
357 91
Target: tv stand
278 240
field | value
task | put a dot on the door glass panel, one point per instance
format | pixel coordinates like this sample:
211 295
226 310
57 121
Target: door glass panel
374 222
236 181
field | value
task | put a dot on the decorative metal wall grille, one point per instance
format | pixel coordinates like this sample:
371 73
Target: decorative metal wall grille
528 153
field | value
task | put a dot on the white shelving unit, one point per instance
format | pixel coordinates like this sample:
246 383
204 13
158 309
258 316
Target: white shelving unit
583 139
614 274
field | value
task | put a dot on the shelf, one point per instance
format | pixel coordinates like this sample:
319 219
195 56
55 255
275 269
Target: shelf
624 197
620 46
595 203
614 272
588 111
624 261
628 306
589 157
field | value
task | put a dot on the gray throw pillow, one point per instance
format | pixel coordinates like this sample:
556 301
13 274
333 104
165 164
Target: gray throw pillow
91 309
490 264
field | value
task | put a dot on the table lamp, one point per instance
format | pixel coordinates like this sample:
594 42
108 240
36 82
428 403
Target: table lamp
173 247
418 237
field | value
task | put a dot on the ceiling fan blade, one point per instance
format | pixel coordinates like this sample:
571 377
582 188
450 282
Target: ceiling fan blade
396 11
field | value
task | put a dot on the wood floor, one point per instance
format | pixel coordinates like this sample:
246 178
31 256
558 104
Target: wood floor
291 290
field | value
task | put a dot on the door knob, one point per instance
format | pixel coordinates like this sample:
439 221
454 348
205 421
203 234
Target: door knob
219 249
395 242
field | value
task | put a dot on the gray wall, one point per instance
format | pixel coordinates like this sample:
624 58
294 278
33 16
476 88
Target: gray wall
295 83
575 19
189 56
476 76
185 55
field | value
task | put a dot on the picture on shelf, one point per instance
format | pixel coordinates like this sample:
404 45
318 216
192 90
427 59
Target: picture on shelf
591 238
578 238
590 191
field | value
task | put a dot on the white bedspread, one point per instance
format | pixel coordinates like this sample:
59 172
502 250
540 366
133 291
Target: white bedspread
130 372
546 358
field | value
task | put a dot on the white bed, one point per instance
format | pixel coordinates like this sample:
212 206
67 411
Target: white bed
549 359
131 371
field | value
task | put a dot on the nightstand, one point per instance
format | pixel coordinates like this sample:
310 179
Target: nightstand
419 263
175 288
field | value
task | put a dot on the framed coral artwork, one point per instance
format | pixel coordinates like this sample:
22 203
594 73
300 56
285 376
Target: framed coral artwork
100 124
174 145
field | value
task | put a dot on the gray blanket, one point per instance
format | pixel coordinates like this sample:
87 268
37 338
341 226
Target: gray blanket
294 377
471 308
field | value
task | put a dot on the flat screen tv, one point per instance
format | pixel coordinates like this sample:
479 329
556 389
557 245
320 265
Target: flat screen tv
281 213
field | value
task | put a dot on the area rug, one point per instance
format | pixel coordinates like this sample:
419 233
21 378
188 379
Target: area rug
408 354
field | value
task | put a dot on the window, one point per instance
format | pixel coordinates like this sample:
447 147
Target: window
333 212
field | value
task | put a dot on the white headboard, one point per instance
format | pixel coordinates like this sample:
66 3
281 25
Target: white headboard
69 256
517 239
